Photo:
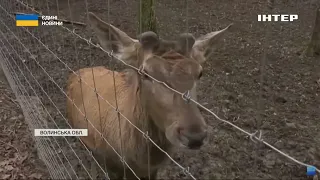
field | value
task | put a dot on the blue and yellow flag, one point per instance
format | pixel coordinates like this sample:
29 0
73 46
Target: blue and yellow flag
27 20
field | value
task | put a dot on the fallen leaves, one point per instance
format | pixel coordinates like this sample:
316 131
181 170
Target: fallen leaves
8 168
16 159
5 176
36 175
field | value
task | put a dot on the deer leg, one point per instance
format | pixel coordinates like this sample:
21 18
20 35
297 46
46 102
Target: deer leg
153 176
93 170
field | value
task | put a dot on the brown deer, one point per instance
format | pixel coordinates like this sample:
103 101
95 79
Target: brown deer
166 116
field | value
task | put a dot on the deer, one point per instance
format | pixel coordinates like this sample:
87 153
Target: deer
170 120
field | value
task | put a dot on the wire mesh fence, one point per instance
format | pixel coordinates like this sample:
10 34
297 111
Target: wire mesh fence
39 90
37 63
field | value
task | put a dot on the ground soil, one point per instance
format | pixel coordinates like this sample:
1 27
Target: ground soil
278 94
18 155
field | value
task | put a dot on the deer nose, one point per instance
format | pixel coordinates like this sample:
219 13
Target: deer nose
193 140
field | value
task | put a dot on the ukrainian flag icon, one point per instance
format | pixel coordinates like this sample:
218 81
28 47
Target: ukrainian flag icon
27 20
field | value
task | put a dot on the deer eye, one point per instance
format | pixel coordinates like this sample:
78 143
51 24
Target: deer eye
145 76
200 75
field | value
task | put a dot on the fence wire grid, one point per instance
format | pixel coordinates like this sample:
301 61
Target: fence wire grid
37 67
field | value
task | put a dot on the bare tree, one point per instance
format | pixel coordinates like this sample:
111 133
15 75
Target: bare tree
147 17
314 45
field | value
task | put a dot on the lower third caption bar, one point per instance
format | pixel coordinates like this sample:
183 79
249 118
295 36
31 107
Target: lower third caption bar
60 132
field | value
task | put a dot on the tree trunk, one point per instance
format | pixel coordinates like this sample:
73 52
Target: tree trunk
314 45
147 17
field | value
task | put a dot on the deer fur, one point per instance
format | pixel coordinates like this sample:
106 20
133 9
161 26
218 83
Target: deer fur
169 120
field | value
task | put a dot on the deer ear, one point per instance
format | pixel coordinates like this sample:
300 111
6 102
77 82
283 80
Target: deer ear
149 40
205 45
110 37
